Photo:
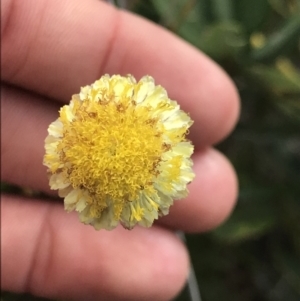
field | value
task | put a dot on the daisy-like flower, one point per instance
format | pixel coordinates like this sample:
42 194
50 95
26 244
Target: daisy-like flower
118 153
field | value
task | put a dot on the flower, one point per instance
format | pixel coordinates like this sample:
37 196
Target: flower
118 152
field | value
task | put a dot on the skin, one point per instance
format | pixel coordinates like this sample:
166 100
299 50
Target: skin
49 50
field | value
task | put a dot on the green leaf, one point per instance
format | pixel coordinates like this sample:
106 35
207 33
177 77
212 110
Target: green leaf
285 7
279 41
168 12
248 228
253 217
223 9
191 27
174 14
251 13
222 40
276 80
145 9
290 106
289 265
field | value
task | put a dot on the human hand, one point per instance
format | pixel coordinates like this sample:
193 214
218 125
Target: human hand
51 49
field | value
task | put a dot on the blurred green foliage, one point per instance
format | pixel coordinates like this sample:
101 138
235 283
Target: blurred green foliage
255 255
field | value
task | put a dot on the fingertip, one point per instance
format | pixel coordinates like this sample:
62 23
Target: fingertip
224 191
229 108
215 101
171 267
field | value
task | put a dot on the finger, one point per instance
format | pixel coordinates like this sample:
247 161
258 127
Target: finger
25 119
54 47
212 193
48 253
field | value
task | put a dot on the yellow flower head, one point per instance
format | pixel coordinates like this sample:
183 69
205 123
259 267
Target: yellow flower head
118 152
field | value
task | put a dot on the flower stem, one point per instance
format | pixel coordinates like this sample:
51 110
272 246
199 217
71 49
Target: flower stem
192 284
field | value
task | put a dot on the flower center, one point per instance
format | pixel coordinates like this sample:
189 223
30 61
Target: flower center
111 148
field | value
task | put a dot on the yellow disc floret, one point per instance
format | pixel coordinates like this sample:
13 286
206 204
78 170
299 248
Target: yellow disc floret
104 160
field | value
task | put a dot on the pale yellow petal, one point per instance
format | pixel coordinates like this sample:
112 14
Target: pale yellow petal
58 181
